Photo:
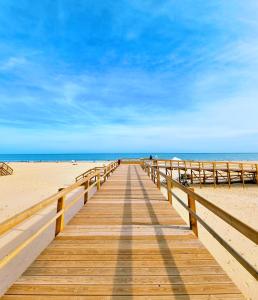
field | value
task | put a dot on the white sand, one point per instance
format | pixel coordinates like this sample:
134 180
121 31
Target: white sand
241 202
33 182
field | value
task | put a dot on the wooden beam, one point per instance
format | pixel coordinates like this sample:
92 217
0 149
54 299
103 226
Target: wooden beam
256 174
86 195
158 179
169 189
192 219
60 219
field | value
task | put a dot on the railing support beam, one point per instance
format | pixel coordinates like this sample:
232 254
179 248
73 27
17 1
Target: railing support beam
98 181
169 190
86 195
158 179
192 219
60 219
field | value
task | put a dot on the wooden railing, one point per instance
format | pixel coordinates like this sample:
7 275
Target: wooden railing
104 171
209 171
162 179
86 182
5 169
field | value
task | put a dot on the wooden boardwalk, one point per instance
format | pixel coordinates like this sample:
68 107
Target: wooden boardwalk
127 242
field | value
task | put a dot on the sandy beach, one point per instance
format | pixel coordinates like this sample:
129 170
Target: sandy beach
34 181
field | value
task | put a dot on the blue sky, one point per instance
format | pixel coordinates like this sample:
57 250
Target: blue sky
114 76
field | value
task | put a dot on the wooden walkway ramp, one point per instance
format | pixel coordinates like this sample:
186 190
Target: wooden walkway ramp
127 242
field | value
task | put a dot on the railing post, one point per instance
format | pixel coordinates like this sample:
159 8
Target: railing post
98 181
214 175
158 179
104 175
86 195
148 170
200 179
256 173
152 170
228 175
169 189
60 219
192 219
242 174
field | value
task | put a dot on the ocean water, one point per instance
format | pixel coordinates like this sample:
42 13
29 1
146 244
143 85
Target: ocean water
115 156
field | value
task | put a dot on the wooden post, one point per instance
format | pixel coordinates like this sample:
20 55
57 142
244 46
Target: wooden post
214 174
148 170
86 195
185 171
104 175
179 175
242 174
60 219
169 189
228 173
200 175
158 179
192 219
152 174
256 175
98 181
191 176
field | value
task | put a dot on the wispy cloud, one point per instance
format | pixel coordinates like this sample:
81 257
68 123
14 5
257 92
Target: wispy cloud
170 76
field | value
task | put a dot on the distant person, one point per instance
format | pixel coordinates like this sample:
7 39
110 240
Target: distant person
150 157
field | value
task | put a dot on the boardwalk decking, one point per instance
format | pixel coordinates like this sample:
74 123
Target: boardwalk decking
127 242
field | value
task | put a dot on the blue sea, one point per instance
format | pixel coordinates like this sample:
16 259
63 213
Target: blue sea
115 156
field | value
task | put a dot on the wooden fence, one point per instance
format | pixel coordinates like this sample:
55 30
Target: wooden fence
162 179
104 171
208 172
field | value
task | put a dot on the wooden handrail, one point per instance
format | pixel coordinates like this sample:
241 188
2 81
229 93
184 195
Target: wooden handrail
201 161
92 170
59 216
241 227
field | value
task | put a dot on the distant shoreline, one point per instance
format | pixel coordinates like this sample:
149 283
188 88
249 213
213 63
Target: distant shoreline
99 157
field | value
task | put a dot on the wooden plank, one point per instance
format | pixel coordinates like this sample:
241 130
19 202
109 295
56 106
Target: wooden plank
123 289
176 256
113 297
123 279
126 264
122 271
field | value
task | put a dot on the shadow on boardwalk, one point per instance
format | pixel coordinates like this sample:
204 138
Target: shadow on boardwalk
127 216
165 251
164 248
